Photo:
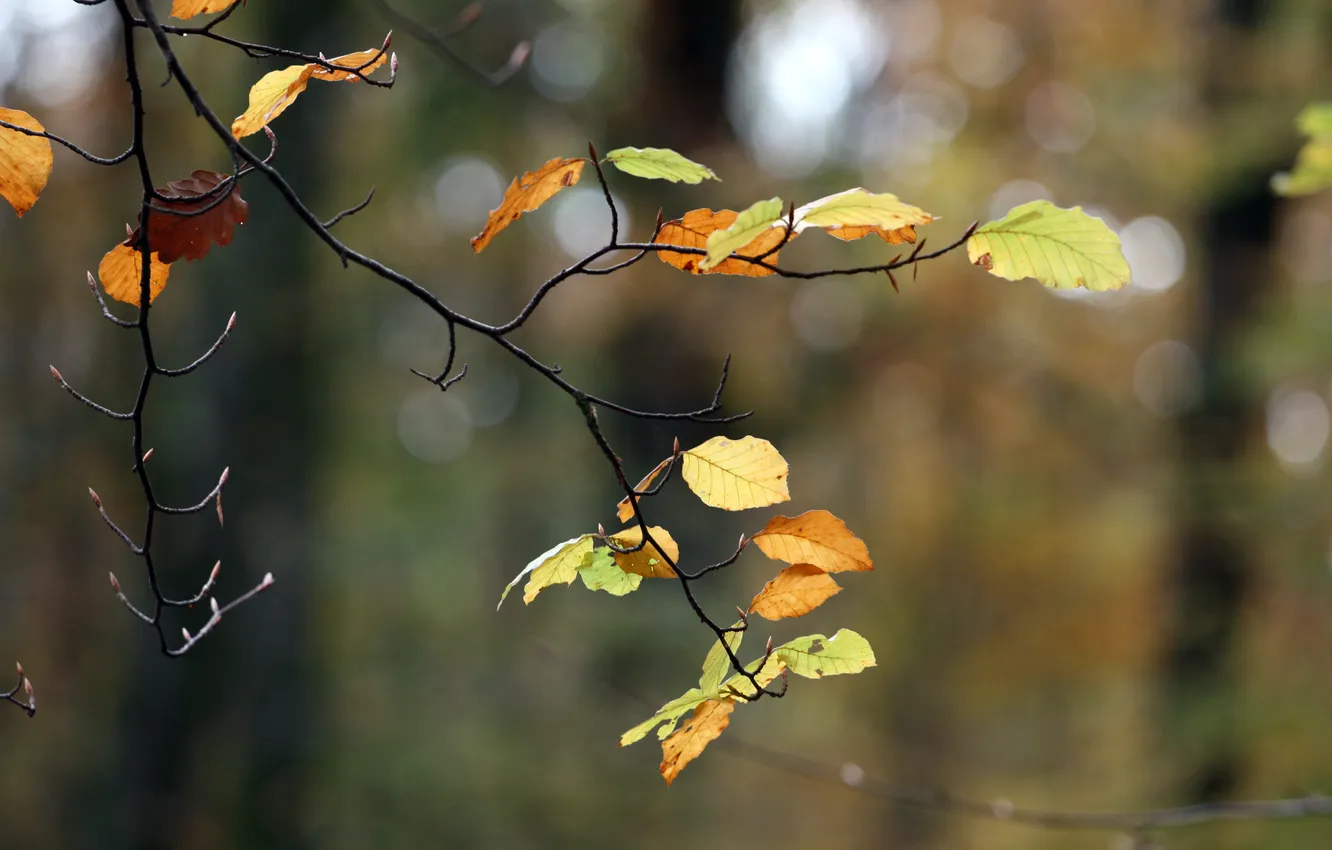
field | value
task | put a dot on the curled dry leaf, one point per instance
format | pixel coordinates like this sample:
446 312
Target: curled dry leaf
526 194
795 592
276 90
192 236
623 509
25 161
814 537
688 742
648 561
120 272
693 230
736 474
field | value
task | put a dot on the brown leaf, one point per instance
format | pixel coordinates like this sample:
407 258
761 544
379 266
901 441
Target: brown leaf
795 592
528 193
624 510
25 161
648 561
192 236
859 231
814 537
687 743
692 231
120 272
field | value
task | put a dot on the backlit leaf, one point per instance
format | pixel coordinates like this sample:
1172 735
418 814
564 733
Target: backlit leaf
1063 249
814 537
25 161
709 721
527 193
670 713
717 663
816 656
693 230
748 226
600 572
1313 164
623 509
186 9
860 231
659 164
120 272
739 683
192 236
648 561
856 213
736 474
276 90
795 592
559 564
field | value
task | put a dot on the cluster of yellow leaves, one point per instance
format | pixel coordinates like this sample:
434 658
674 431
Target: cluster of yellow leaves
277 90
25 161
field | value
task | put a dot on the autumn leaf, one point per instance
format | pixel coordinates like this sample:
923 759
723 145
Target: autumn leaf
668 714
600 572
1313 164
1061 248
121 271
748 226
857 213
192 236
709 721
905 234
186 9
739 683
528 193
559 564
25 161
795 592
736 474
814 537
276 90
623 509
816 656
648 561
693 230
717 663
659 164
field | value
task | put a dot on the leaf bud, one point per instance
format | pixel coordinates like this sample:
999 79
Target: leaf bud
115 582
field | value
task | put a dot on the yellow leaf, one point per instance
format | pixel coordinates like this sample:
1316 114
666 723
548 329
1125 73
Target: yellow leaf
816 656
736 474
749 225
717 663
814 537
648 561
560 563
274 92
362 63
528 193
1062 248
709 721
120 272
669 714
795 592
186 9
624 510
740 683
25 161
693 230
861 211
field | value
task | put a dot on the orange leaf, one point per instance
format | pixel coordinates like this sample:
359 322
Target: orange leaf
624 510
186 9
192 236
25 161
363 63
525 195
692 231
648 561
120 272
814 537
795 592
276 90
859 231
688 742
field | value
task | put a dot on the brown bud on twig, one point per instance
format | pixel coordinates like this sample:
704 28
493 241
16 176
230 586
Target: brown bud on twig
469 15
55 373
231 323
146 455
744 615
268 580
519 54
27 686
388 39
767 650
675 450
216 611
219 508
744 541
223 480
186 632
212 577
20 667
115 583
97 500
601 530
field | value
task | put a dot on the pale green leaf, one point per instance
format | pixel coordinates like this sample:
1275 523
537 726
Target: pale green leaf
748 226
1315 120
816 656
859 207
717 663
1063 249
600 572
659 164
558 564
669 714
739 683
1313 164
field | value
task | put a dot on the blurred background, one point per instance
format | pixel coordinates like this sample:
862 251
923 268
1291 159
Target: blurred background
1101 523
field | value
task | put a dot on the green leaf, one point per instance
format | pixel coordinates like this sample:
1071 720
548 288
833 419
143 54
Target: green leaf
859 207
717 663
670 714
1315 120
748 226
659 164
558 564
1313 164
600 572
739 683
1063 249
816 656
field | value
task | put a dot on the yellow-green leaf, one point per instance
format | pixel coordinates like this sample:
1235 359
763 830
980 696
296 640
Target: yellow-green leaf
795 592
814 537
860 208
709 721
816 656
647 562
717 663
559 564
736 474
1063 249
748 226
1313 164
659 164
739 683
669 714
600 572
25 161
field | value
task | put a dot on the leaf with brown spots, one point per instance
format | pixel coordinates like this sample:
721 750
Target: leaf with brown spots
121 271
814 537
688 742
526 194
174 236
693 230
25 161
648 561
795 592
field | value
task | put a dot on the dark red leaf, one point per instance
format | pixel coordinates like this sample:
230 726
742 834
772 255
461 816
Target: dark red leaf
192 236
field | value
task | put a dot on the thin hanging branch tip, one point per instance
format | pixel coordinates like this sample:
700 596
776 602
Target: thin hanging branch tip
96 499
115 582
55 373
